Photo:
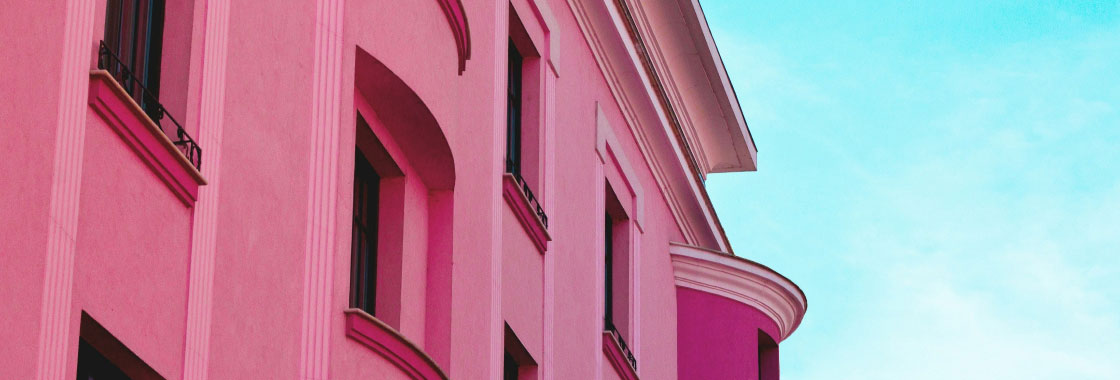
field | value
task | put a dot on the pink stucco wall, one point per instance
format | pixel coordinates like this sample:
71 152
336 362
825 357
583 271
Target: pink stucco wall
251 280
719 337
26 175
132 252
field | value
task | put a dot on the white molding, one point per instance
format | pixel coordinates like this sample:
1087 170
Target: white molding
741 280
667 75
625 104
606 145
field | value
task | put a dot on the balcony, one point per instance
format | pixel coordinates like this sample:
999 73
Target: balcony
149 103
618 353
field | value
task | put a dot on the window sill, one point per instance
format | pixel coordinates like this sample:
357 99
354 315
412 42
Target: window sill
617 358
524 211
391 345
147 140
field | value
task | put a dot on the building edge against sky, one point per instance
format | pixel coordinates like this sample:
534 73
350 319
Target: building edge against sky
467 189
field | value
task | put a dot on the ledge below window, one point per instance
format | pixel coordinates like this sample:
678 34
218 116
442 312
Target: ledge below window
617 358
391 345
532 224
147 140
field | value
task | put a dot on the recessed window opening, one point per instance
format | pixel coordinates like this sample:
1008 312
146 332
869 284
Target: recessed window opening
134 41
102 357
509 367
513 111
376 248
523 159
608 281
92 365
616 271
517 363
132 51
363 245
406 257
767 357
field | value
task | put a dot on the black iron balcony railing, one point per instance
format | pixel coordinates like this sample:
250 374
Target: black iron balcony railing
534 203
622 345
149 102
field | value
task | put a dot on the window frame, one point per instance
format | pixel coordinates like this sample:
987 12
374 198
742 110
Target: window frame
138 44
618 255
608 272
622 194
363 263
514 78
131 52
526 127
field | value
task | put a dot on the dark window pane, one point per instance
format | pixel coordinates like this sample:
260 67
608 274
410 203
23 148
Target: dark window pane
363 277
94 366
513 112
510 367
134 34
608 269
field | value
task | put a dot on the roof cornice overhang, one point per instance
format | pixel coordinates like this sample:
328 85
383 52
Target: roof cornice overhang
741 280
643 97
681 46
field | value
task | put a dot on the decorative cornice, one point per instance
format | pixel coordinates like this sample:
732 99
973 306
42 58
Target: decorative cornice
392 346
742 280
715 127
612 44
457 20
598 40
644 56
610 153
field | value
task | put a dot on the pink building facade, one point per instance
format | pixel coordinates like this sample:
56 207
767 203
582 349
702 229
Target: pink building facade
348 189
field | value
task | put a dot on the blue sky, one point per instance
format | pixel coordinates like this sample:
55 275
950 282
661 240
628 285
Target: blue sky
942 178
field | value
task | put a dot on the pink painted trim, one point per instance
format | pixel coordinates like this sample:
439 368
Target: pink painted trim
66 182
617 358
391 345
322 191
210 64
457 20
608 148
113 104
529 220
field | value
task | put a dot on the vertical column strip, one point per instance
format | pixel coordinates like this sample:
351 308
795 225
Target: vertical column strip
322 188
54 325
636 334
548 365
600 268
196 354
496 319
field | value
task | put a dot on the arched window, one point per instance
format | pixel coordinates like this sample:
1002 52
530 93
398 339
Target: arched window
404 178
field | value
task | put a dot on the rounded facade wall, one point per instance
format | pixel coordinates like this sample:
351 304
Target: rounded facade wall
718 336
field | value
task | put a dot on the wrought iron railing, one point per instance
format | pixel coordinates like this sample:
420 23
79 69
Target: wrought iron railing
622 345
149 102
534 203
